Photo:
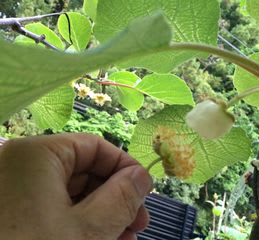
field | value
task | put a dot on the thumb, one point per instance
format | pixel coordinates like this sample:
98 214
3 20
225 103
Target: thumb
114 206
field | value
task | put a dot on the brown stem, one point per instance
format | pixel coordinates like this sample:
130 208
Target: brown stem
37 38
13 21
111 83
16 24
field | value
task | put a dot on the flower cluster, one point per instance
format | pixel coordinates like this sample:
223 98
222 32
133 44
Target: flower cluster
83 92
101 98
177 156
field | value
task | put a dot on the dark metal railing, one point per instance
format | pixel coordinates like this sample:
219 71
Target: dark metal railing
169 219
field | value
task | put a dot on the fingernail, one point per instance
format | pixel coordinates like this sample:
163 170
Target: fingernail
142 181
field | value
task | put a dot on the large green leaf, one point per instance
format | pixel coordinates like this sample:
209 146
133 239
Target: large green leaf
26 74
29 73
54 109
244 80
129 98
191 21
40 29
253 8
75 27
210 155
90 8
167 88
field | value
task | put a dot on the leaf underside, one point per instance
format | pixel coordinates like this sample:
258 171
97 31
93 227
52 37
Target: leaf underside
210 155
54 109
191 21
244 80
29 73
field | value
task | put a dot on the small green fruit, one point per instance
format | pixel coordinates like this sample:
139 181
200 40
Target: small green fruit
217 211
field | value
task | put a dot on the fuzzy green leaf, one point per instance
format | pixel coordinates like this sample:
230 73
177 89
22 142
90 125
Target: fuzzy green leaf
75 27
210 155
26 74
54 109
90 8
40 29
167 88
129 98
244 80
191 21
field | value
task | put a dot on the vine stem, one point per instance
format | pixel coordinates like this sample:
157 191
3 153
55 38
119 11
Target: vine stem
244 62
37 38
16 24
110 83
13 21
248 64
242 95
153 163
104 81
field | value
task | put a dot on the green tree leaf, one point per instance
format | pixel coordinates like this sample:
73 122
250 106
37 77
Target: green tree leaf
210 155
191 21
244 80
90 8
167 88
129 98
40 29
29 73
75 27
252 7
54 109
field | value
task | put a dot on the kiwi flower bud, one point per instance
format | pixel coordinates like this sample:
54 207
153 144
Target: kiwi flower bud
210 119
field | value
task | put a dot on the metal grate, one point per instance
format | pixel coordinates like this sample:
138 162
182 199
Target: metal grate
80 107
169 219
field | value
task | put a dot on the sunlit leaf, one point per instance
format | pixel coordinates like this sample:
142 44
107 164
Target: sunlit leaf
191 21
167 88
29 73
129 98
90 8
54 109
75 28
40 29
210 155
244 80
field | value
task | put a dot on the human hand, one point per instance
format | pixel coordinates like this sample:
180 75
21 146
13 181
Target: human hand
40 177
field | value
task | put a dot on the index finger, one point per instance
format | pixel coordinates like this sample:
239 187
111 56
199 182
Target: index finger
80 152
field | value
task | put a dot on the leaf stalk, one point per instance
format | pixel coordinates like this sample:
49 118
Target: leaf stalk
244 62
242 95
153 163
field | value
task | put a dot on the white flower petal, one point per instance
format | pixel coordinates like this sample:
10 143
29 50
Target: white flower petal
210 119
